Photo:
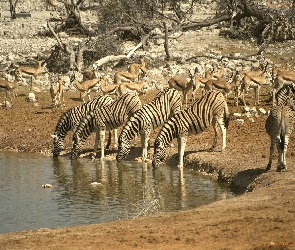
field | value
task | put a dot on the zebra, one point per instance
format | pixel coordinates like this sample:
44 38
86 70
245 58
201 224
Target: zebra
209 108
71 118
104 119
148 117
285 96
279 126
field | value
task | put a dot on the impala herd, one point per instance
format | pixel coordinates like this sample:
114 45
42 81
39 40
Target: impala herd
135 80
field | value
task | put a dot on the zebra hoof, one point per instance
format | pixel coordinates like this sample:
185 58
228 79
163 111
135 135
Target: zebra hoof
282 168
268 167
210 149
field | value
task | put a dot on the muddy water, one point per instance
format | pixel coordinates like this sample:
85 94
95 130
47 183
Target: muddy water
87 192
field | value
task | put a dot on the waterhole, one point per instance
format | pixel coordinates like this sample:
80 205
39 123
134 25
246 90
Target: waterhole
89 192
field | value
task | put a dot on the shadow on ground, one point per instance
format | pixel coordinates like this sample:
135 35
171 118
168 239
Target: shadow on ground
243 179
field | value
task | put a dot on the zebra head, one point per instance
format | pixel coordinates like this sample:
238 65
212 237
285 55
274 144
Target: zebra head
58 145
159 153
123 148
76 147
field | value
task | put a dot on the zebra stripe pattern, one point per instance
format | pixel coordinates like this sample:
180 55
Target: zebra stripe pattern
147 118
209 109
71 118
285 96
104 119
279 126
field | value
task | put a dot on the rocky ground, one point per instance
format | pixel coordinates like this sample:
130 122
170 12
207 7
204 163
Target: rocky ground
261 218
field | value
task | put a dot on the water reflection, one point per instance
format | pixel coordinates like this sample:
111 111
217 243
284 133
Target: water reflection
86 191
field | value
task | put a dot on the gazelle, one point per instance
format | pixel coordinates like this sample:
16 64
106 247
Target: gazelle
284 75
200 81
108 89
88 74
254 82
33 72
84 86
220 85
183 84
133 86
8 88
57 92
134 72
219 73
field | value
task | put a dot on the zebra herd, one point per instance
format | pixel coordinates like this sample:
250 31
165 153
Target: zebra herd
103 114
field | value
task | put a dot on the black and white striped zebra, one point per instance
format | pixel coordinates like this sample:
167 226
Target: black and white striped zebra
148 117
71 118
279 126
104 119
209 109
285 96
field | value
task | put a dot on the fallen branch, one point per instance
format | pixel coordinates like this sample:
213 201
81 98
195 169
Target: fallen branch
113 58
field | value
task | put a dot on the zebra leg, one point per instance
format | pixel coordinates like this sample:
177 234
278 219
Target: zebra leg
282 165
181 148
220 122
109 140
271 151
214 124
115 138
144 144
134 141
97 138
102 134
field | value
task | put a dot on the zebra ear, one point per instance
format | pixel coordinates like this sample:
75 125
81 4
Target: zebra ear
54 136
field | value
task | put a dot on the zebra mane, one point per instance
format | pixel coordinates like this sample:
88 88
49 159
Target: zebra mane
160 93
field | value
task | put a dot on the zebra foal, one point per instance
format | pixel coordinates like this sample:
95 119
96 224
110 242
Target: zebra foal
279 126
71 118
148 117
104 119
209 109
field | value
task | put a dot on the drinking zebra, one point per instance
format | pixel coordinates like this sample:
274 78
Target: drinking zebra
104 119
147 118
285 96
71 118
209 109
279 126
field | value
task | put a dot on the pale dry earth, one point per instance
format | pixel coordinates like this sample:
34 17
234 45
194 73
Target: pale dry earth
263 217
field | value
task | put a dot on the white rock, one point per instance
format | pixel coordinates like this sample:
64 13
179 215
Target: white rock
246 109
239 121
262 111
